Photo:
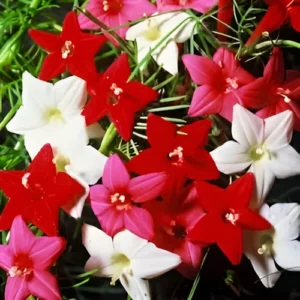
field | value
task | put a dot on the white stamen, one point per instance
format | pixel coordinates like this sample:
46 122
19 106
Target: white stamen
25 180
116 90
259 151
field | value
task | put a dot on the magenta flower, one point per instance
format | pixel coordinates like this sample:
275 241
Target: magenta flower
26 259
202 6
114 13
116 202
220 78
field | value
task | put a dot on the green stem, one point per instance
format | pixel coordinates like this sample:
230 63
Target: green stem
109 137
9 116
35 4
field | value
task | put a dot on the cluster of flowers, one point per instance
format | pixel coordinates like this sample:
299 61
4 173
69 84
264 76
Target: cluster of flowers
57 121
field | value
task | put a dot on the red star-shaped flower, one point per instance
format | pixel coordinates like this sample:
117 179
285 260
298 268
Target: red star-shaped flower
38 193
118 98
71 50
178 151
279 11
227 213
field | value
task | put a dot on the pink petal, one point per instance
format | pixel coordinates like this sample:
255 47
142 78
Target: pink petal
44 285
46 250
229 101
226 59
6 258
16 288
203 70
135 9
112 221
20 232
115 176
140 222
206 100
147 187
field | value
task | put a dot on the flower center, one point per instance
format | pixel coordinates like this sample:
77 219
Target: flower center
114 96
266 245
112 6
53 115
231 85
231 216
178 230
176 156
22 266
257 152
120 263
61 162
152 32
284 93
122 201
67 50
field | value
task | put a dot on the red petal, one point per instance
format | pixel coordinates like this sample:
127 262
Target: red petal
251 220
274 70
71 30
240 191
272 20
225 14
148 161
53 65
48 41
11 183
231 244
42 169
212 198
161 133
294 14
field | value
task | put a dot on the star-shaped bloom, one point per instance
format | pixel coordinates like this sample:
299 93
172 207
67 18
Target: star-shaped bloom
278 244
154 30
115 203
221 79
198 5
72 155
262 145
26 260
276 91
38 193
178 151
227 213
128 258
118 98
72 50
115 13
279 11
46 109
174 221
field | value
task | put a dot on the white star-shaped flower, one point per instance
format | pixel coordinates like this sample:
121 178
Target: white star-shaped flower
126 257
262 145
154 30
279 244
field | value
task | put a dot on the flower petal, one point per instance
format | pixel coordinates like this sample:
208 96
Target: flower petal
274 70
46 40
287 255
52 66
16 288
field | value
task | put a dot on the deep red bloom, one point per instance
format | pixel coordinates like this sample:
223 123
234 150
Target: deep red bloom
38 193
71 50
178 151
225 14
173 221
227 214
276 91
279 11
119 99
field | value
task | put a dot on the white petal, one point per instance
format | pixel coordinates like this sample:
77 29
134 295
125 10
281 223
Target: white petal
247 128
100 247
128 243
150 261
167 56
137 289
136 31
278 130
37 93
87 163
143 49
264 179
285 217
231 157
285 162
287 255
70 95
95 131
263 265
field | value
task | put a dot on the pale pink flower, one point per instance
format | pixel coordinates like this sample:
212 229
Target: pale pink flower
26 259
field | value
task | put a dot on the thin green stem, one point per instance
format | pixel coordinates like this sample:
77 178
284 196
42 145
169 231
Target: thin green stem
285 43
108 139
8 117
35 4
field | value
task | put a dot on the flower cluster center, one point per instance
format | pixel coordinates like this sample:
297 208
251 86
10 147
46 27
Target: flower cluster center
284 93
115 94
178 230
266 245
231 216
112 6
231 85
122 201
61 162
152 32
176 156
22 266
67 50
257 152
53 115
121 263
